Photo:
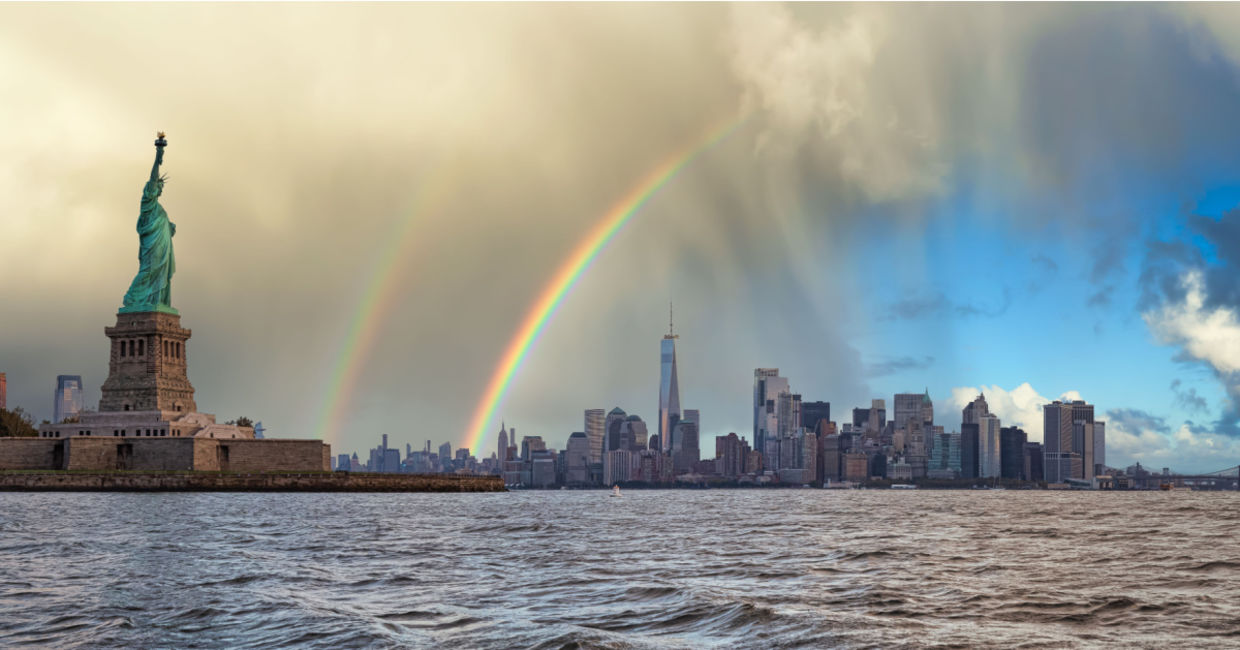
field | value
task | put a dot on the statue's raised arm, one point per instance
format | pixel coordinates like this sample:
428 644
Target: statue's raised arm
151 289
160 143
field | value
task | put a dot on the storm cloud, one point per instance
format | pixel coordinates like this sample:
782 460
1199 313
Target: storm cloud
453 156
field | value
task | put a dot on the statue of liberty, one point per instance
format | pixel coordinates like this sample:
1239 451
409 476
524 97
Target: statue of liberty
151 289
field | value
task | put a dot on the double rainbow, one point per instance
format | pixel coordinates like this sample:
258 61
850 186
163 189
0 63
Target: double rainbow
568 274
377 302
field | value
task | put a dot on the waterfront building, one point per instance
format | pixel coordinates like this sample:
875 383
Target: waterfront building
542 468
856 466
988 460
1100 448
617 467
1063 443
829 459
969 440
669 387
577 459
1033 461
729 460
595 430
1012 442
945 454
685 450
68 400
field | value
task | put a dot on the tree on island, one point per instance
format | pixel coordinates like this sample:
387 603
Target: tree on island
242 421
17 424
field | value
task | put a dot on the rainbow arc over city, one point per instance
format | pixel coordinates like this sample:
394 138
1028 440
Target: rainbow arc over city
570 271
379 297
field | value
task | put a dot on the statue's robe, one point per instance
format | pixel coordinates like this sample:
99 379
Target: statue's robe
152 286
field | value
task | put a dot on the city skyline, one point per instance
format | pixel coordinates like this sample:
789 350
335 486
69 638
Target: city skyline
385 265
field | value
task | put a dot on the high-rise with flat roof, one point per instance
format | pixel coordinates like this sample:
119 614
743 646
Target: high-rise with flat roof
4 392
1064 442
1012 452
813 412
577 459
596 430
68 399
988 459
969 441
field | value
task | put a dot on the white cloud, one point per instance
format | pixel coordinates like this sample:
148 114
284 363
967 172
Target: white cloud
1183 450
1212 335
1021 406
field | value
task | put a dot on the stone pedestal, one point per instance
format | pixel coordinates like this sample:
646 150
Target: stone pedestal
147 366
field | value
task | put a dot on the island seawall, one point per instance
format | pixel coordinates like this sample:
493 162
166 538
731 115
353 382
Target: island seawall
196 481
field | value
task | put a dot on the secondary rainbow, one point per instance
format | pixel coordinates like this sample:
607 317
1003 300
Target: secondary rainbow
566 277
375 305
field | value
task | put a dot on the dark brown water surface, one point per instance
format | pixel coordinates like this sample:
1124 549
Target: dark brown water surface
665 569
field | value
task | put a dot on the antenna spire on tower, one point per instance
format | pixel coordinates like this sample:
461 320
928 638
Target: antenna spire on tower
670 329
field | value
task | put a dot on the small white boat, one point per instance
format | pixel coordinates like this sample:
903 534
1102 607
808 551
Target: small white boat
615 491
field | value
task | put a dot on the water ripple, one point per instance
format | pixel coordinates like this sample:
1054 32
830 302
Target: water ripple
656 569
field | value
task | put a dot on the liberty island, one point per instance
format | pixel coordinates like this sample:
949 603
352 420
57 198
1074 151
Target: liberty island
148 419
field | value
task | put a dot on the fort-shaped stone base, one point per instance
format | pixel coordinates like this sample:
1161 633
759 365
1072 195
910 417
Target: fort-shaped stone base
147 365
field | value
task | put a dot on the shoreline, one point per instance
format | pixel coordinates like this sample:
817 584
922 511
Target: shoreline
199 481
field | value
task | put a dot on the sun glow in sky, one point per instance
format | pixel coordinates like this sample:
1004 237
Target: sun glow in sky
1030 201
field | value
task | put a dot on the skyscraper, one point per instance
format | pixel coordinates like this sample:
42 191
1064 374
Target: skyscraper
988 459
4 392
1012 452
907 407
669 388
812 412
968 449
1100 446
974 410
596 428
768 392
502 450
577 459
68 400
1064 443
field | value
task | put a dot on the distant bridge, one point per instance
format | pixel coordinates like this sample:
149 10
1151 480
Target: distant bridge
1223 479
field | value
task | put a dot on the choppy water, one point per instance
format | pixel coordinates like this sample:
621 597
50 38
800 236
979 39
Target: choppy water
757 568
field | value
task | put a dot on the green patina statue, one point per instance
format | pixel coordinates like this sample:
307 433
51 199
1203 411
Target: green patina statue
151 289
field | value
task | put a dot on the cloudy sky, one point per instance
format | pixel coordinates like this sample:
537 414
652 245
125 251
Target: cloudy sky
1029 201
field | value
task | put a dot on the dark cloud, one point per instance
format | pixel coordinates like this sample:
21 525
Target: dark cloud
1048 265
898 365
1101 298
293 180
1136 420
938 305
1188 398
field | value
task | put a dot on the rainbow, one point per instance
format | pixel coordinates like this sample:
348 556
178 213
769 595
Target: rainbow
375 306
567 275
